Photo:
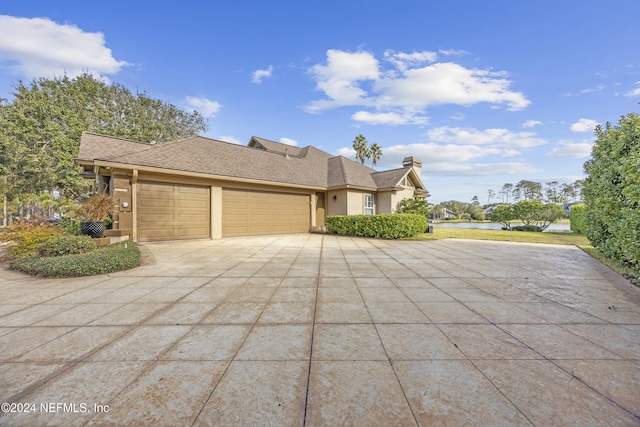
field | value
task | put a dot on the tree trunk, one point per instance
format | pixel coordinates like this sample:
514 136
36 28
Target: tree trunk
4 210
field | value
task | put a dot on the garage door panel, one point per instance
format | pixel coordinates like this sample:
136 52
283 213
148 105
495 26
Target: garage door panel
172 212
249 212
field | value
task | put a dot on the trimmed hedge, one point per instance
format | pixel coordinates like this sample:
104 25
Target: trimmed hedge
66 245
381 226
577 217
107 259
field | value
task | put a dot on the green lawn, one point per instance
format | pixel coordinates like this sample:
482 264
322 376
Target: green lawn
558 238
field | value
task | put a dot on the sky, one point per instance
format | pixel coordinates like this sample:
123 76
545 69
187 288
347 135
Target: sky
484 93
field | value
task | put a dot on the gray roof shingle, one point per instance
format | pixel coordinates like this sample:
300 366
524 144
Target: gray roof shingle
306 166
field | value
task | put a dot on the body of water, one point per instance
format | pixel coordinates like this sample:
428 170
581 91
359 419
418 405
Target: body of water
495 226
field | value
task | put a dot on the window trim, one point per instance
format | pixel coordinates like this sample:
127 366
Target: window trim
369 210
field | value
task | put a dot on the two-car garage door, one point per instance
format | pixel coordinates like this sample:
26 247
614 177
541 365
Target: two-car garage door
178 212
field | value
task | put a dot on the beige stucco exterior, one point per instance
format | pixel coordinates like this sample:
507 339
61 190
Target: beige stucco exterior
155 197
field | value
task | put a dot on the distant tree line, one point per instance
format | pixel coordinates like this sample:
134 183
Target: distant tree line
40 133
555 192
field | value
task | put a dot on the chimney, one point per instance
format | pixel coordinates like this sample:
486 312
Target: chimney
286 153
414 163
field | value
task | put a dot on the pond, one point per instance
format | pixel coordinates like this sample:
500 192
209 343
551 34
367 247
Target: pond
563 226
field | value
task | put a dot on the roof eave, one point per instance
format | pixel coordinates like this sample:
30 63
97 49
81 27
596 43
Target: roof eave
151 169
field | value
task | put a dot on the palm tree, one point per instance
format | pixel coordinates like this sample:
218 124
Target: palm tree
376 152
360 147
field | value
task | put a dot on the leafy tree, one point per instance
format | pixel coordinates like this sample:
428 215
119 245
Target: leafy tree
503 214
40 129
612 191
416 205
375 152
529 212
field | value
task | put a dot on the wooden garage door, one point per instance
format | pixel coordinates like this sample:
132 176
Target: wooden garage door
251 213
172 212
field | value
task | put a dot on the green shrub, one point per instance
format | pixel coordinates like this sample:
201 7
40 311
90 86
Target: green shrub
382 226
526 228
416 205
70 226
577 218
66 245
611 191
27 236
107 259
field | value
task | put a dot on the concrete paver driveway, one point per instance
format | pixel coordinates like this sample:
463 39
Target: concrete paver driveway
323 330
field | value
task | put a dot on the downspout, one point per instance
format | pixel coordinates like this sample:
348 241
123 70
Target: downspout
134 206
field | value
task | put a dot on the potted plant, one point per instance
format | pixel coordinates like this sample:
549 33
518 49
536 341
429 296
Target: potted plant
92 212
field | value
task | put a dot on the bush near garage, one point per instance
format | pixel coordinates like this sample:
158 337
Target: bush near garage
107 259
577 217
381 226
27 236
66 245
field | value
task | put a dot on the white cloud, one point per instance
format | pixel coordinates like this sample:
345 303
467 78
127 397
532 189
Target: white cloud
531 123
389 118
204 106
230 139
404 60
448 83
635 92
503 138
584 125
39 47
482 169
571 149
414 82
258 75
449 159
289 141
339 79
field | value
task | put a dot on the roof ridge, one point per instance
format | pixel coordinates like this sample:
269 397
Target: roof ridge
113 137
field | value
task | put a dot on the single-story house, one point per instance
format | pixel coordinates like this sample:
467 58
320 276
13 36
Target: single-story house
199 187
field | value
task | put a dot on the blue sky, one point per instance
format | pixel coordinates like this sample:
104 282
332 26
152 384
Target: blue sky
483 92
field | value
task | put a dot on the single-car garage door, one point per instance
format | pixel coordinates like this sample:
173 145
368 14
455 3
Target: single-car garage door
172 212
251 213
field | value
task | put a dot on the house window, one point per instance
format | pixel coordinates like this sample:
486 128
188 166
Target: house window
368 204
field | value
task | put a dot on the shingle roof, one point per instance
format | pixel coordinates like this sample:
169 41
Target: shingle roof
91 144
276 147
390 178
306 166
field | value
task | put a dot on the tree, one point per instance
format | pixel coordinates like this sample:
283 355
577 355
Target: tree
530 212
506 190
41 128
503 214
553 193
416 205
527 190
361 148
490 194
375 151
611 191
458 208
